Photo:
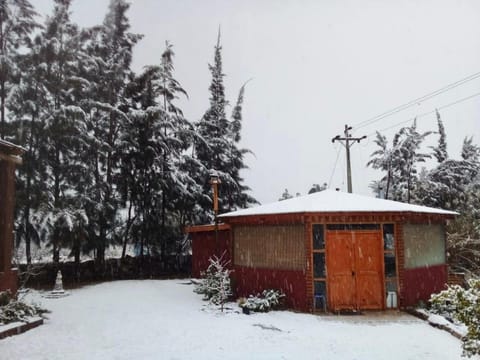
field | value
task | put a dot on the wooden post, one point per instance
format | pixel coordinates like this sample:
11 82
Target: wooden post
214 181
10 155
7 203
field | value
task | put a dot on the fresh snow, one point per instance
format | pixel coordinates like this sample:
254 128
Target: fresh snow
164 319
335 201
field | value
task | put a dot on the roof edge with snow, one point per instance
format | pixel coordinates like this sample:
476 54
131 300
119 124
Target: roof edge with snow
329 201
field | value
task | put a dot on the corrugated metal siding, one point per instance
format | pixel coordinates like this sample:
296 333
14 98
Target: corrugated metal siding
272 247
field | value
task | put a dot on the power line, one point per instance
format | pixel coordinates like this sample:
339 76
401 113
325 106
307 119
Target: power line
415 101
429 112
334 167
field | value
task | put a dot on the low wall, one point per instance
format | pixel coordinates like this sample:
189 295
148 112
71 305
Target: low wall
114 269
420 283
250 281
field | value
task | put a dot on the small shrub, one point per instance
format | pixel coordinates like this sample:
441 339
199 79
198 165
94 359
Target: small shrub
12 310
266 301
462 305
215 285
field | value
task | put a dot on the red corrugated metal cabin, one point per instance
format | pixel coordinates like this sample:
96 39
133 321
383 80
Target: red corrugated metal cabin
10 155
332 250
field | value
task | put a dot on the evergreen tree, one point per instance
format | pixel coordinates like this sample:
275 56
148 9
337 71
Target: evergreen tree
111 46
285 196
382 159
64 121
400 162
156 169
17 21
218 147
450 184
27 105
317 188
440 151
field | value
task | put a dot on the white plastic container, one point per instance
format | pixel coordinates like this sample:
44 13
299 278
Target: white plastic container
391 299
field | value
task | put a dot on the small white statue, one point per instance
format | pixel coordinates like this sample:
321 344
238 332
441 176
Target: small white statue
58 290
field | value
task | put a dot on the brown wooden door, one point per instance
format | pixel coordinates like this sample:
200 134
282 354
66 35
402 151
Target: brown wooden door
369 269
340 262
354 270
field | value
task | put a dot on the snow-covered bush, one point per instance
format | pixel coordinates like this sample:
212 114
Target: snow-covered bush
215 285
462 305
266 301
12 310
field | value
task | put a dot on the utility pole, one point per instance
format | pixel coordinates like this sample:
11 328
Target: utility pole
215 181
348 141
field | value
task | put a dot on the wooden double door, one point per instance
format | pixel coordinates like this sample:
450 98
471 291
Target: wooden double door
355 270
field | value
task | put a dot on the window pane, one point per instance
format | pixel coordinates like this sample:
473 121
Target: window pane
388 237
319 265
353 227
320 295
318 239
390 268
424 245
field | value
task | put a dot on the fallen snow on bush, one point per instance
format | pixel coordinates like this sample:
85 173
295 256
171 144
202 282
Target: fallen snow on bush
164 319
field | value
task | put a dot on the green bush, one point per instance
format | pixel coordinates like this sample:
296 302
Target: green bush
462 305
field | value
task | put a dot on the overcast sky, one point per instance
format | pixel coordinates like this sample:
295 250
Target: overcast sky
315 66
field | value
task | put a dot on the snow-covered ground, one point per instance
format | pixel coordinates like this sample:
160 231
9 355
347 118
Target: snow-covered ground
164 319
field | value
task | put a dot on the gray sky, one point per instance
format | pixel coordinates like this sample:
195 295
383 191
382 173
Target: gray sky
315 66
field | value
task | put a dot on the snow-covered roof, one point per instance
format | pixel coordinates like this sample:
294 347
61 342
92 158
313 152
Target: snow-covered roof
9 148
335 201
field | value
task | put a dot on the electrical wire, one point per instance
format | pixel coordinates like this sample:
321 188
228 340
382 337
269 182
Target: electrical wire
428 113
334 167
415 101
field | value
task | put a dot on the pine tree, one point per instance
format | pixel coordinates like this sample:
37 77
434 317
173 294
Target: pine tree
63 122
28 101
154 142
17 22
111 46
218 148
449 185
317 187
440 151
285 196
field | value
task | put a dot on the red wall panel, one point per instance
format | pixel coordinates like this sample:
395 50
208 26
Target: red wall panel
8 281
420 283
250 281
204 246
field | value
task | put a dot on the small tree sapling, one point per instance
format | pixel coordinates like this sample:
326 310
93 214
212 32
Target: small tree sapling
216 285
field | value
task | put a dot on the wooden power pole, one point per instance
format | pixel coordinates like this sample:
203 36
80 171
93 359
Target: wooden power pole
348 141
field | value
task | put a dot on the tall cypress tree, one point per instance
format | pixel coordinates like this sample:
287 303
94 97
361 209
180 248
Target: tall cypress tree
154 143
17 21
28 101
64 121
217 150
111 45
440 151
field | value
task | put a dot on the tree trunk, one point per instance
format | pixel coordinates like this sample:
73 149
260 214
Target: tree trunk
2 108
127 230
